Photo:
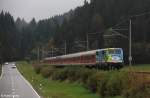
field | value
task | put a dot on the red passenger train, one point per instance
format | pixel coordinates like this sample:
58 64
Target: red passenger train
100 57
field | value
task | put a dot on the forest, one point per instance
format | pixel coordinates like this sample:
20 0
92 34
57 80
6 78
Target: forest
22 40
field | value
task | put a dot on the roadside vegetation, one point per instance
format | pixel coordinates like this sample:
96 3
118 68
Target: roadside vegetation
0 69
78 82
49 88
121 84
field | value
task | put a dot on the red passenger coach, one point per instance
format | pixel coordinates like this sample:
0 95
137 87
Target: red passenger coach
81 58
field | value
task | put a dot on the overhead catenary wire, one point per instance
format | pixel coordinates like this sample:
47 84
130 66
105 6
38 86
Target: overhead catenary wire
129 17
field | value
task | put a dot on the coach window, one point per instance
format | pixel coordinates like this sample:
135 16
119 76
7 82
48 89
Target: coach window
97 53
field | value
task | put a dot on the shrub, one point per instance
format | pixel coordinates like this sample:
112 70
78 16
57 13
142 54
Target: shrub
137 87
60 74
111 84
115 83
101 87
72 73
37 68
138 92
93 81
47 71
83 74
107 84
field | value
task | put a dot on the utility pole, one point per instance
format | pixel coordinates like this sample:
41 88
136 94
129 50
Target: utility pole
87 40
130 42
65 47
130 33
38 54
52 51
43 52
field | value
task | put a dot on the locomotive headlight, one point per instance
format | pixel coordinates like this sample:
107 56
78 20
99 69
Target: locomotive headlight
116 58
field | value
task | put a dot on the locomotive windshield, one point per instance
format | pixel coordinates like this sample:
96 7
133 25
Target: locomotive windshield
110 51
114 51
109 54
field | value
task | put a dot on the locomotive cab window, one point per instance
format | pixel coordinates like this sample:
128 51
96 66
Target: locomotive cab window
103 52
114 51
97 53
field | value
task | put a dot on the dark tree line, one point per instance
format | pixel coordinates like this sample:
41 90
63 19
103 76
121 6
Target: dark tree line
19 39
100 15
8 37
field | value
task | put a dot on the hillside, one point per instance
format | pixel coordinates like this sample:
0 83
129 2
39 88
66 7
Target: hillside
72 27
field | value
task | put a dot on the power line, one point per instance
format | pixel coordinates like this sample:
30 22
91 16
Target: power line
142 14
127 19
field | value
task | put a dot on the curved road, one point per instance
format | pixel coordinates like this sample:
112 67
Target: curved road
14 85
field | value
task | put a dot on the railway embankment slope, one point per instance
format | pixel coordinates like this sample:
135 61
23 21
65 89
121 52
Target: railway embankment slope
48 88
125 83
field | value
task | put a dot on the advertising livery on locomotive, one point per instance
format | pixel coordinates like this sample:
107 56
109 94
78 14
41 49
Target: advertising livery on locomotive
108 57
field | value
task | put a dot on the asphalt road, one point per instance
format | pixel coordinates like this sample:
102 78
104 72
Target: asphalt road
14 85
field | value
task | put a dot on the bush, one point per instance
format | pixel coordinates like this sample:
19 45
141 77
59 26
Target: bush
111 83
101 88
47 71
115 83
137 87
94 80
72 73
37 68
60 74
138 92
83 75
107 84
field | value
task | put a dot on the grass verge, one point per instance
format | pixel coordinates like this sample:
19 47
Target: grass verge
105 83
0 70
53 89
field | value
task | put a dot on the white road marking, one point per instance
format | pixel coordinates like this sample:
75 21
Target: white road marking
9 96
12 95
12 85
28 84
1 73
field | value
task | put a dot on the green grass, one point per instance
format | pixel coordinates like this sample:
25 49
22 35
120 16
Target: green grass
53 89
138 67
0 69
56 89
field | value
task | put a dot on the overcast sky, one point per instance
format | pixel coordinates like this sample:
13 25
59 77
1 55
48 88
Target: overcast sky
40 9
